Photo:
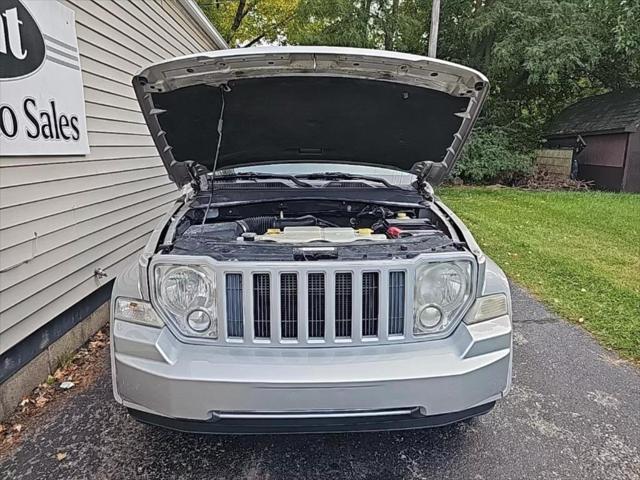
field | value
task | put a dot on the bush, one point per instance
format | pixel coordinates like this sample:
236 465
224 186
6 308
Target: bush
490 157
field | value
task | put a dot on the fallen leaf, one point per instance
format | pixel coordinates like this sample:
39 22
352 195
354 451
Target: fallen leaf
41 401
2 428
61 456
17 428
66 385
24 402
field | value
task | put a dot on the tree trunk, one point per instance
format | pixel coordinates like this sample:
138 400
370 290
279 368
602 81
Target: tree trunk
254 41
241 12
391 25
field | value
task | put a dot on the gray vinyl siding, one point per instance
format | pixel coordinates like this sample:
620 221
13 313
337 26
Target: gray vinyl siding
63 217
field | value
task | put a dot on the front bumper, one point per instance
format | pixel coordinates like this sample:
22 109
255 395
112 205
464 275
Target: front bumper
242 389
301 424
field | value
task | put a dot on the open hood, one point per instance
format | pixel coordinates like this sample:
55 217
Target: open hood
256 106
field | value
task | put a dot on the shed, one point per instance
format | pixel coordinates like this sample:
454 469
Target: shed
72 216
609 124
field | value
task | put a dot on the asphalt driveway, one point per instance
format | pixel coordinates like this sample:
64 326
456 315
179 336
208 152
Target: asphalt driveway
574 412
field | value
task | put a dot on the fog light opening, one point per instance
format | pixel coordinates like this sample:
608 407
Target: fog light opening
430 317
199 320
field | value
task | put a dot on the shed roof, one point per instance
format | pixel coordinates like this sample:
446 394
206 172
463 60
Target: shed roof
610 112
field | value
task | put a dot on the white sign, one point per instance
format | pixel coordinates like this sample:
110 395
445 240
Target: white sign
41 96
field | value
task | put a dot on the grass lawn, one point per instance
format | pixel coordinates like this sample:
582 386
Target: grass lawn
578 252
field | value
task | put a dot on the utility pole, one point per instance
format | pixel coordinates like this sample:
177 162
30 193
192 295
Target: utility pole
433 35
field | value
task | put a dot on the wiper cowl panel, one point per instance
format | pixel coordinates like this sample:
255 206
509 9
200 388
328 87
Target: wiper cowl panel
262 176
345 176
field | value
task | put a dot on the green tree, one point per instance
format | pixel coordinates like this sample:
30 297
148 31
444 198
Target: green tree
247 22
539 55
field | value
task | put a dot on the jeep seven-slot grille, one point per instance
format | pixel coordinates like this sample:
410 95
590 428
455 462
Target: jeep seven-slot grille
235 318
316 304
396 302
344 305
289 305
326 307
370 304
261 305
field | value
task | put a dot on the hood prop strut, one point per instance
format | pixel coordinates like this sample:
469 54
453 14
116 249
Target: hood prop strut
197 172
223 88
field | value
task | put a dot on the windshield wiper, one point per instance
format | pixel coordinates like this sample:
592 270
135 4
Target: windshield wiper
345 176
263 176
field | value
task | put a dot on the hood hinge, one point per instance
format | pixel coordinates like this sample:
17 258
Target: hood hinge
424 188
199 179
425 171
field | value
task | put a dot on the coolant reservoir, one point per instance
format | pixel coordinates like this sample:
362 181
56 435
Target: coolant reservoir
320 234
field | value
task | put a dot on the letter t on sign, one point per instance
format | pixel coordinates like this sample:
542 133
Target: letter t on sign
12 31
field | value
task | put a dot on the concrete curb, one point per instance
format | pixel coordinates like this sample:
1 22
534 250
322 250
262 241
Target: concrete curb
20 384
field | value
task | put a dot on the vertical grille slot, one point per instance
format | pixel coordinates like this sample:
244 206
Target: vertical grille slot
289 305
235 317
370 287
344 306
396 303
316 305
261 305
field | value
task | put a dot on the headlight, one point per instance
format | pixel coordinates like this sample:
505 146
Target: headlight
441 291
187 294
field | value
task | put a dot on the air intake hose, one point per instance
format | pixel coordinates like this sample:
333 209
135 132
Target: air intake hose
260 225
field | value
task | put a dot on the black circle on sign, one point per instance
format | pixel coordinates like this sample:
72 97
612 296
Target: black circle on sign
25 49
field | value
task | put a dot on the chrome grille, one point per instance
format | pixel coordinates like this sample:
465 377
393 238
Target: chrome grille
316 302
289 305
261 305
235 317
343 304
370 303
396 303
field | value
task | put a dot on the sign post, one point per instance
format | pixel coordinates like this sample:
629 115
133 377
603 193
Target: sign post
435 23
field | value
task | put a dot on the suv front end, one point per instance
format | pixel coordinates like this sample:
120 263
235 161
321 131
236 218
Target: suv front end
269 302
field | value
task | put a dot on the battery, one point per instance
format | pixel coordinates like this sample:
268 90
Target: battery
408 223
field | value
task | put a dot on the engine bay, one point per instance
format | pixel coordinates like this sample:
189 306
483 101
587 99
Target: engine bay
308 230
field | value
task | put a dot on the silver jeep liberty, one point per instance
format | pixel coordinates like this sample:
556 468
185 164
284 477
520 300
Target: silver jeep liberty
308 279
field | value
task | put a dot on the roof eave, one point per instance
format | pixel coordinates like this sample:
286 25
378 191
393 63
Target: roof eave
201 19
589 132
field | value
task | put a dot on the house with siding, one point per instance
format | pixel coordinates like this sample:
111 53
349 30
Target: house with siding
70 223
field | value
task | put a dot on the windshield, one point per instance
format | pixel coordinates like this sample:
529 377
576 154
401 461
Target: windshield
394 177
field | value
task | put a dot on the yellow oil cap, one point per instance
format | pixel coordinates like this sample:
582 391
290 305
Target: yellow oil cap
401 215
365 231
273 231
